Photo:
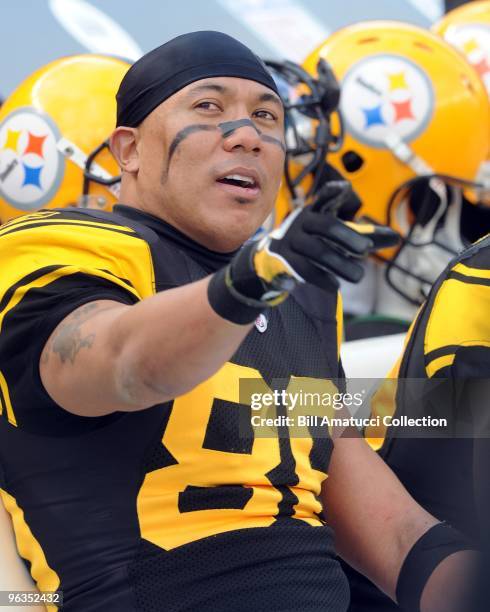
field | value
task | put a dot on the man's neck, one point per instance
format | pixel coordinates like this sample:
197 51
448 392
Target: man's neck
209 259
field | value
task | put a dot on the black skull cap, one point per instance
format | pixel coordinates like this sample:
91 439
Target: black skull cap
187 58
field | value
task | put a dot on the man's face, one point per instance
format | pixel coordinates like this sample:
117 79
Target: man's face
211 159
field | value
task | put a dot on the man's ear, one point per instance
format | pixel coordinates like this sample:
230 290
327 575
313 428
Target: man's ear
123 143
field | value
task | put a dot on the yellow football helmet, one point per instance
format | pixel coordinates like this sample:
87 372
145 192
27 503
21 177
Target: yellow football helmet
53 137
416 120
468 29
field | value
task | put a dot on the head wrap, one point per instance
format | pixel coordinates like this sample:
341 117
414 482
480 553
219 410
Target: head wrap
198 55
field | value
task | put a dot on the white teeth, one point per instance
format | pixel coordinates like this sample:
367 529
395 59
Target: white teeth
239 177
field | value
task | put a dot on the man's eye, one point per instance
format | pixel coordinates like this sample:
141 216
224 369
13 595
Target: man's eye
265 114
206 105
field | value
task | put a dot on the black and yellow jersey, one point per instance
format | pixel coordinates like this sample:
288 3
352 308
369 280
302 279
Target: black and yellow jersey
170 508
448 346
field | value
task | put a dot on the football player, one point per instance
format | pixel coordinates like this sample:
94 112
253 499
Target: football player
444 370
130 466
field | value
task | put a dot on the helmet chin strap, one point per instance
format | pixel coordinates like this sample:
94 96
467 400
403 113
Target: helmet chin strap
429 246
427 234
483 177
403 152
406 155
421 235
406 280
70 150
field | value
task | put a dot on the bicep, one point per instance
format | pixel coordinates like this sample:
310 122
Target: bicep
76 364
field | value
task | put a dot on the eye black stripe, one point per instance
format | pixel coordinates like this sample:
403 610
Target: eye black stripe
275 141
228 127
184 133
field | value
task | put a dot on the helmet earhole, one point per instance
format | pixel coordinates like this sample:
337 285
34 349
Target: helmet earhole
352 161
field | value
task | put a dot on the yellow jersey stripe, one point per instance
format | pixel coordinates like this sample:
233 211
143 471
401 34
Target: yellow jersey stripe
30 549
384 400
112 254
449 323
30 217
339 317
50 277
440 362
6 400
42 223
471 272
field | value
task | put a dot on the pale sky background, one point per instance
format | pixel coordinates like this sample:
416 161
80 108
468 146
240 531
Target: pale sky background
30 36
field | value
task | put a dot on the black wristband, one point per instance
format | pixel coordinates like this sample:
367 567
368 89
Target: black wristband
228 304
425 555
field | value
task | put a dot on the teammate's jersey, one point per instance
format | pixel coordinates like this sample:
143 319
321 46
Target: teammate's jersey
174 507
449 340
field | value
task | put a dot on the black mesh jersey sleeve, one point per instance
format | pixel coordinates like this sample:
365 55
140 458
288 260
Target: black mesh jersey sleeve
25 330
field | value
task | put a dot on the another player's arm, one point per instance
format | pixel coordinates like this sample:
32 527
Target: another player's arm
377 523
13 573
106 356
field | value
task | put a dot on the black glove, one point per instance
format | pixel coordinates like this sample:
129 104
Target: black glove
312 245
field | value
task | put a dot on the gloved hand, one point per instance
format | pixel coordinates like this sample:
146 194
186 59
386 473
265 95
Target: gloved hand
312 245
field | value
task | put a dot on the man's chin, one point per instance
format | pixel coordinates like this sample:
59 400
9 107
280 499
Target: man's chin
233 227
226 237
226 244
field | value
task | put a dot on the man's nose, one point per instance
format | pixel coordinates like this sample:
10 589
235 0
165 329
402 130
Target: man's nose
241 133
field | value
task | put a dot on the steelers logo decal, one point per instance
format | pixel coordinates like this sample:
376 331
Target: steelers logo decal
261 323
382 94
31 167
474 41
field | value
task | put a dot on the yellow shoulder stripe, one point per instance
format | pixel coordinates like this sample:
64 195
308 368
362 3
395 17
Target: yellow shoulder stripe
471 272
111 254
56 221
439 362
42 214
459 316
48 278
